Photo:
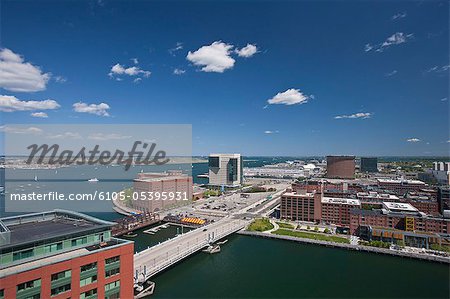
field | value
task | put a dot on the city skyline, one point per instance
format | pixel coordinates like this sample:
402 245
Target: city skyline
289 79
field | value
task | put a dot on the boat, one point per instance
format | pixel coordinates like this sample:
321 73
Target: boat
222 242
35 178
212 249
129 235
94 180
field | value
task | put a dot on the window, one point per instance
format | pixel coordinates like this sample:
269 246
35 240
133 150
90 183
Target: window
89 294
61 289
23 254
112 285
88 267
213 162
88 280
115 295
112 272
28 285
112 260
79 241
53 247
2 294
60 275
232 169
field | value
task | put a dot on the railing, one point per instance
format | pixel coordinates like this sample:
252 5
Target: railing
172 256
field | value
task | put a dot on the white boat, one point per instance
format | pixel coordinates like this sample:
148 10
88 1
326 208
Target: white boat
94 180
35 178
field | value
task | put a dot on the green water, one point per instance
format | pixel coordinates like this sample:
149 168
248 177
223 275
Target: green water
143 240
252 267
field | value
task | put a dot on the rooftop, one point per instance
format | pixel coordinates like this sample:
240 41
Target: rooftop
400 181
29 228
225 155
341 201
399 207
295 194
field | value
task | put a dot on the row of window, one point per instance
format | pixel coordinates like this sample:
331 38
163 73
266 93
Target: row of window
54 247
29 285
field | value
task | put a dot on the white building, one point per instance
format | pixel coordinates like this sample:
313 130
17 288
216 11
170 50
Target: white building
225 170
441 172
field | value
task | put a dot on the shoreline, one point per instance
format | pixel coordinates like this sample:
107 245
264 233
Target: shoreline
361 248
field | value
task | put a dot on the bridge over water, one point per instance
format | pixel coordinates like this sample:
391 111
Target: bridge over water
155 259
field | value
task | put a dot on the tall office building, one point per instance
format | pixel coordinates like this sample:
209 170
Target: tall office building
341 167
225 170
62 254
369 164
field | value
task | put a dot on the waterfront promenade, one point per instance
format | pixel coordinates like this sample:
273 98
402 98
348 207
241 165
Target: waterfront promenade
370 249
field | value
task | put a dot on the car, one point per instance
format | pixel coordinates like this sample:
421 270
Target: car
205 229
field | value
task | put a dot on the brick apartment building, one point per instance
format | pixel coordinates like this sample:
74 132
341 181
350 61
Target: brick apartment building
300 206
62 254
337 210
161 185
400 221
400 187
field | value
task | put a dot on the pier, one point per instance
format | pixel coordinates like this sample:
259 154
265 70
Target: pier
131 223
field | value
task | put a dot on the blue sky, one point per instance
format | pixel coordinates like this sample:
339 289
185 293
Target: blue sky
266 78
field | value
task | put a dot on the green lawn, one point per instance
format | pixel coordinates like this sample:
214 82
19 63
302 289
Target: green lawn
321 237
285 225
260 225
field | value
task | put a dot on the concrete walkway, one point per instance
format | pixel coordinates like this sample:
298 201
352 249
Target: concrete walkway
275 227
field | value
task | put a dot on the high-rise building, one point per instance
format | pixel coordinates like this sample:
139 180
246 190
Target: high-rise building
157 191
441 172
369 164
225 170
63 254
341 167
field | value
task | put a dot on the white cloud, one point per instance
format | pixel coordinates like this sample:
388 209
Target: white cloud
413 139
399 15
135 60
137 80
118 70
97 109
178 47
444 99
213 58
18 75
65 135
289 97
102 136
395 39
438 69
39 114
247 51
368 47
361 115
178 72
18 130
390 74
60 79
270 132
11 104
